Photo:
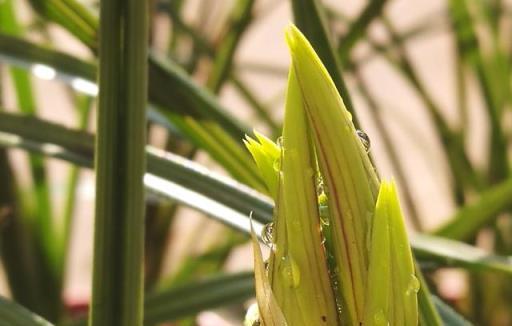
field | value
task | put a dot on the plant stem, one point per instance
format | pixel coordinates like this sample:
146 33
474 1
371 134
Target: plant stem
120 163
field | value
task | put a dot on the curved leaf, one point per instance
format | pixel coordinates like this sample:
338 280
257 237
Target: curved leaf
13 314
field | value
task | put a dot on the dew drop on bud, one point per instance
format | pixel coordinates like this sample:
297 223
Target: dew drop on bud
266 234
252 317
266 264
413 286
290 271
320 188
277 164
279 142
324 218
379 319
365 140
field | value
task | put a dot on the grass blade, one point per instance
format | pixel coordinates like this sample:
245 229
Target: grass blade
428 313
191 116
168 84
16 247
70 14
448 315
494 94
454 253
358 28
13 314
468 220
40 227
222 65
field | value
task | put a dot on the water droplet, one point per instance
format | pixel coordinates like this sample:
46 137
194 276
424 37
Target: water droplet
322 199
320 188
277 164
414 285
323 210
252 316
290 271
324 219
280 141
380 319
267 234
365 140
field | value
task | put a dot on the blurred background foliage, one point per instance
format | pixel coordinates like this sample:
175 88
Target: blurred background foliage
429 82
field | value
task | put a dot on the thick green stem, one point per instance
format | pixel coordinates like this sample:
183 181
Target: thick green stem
120 164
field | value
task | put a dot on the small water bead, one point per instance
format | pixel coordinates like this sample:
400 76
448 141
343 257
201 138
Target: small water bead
365 140
266 234
266 265
320 187
379 319
322 199
252 316
280 142
290 271
277 164
414 285
323 209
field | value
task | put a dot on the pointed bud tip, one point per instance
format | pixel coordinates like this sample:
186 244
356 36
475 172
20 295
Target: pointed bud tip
291 32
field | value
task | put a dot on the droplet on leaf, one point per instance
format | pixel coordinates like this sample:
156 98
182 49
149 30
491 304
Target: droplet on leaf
414 285
290 271
365 140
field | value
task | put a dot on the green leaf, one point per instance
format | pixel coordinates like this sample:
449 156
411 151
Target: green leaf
168 84
77 147
453 253
13 314
40 228
71 15
490 73
428 312
468 220
239 21
194 116
191 298
357 29
449 316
